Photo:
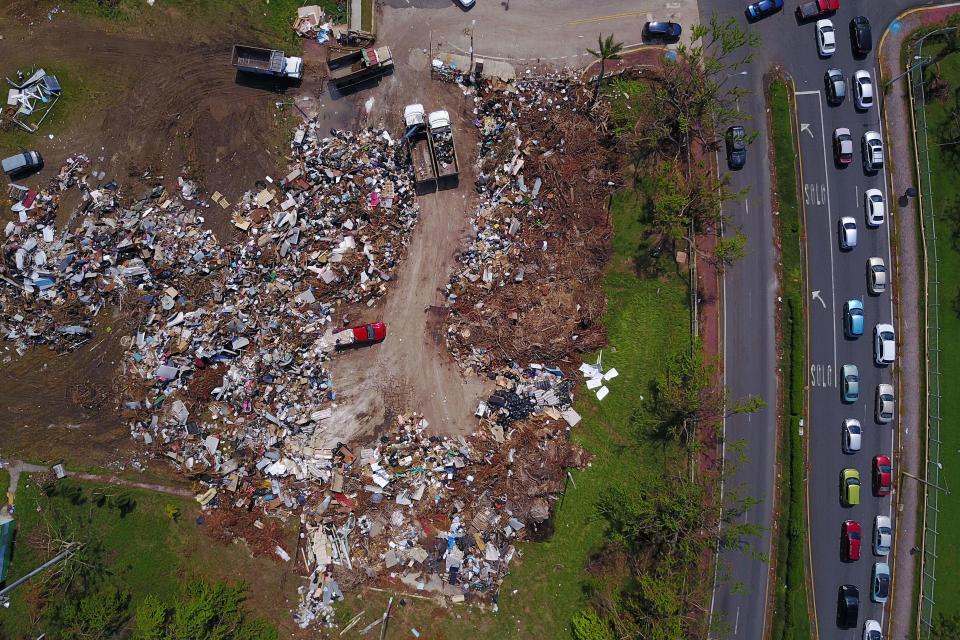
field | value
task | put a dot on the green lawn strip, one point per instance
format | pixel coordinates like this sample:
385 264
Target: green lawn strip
367 9
945 172
790 618
144 552
4 485
646 319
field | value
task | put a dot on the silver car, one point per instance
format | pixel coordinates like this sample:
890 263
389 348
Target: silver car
876 275
884 408
882 535
848 233
863 90
852 435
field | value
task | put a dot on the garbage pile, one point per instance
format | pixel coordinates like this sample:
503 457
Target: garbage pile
434 514
443 147
58 281
528 287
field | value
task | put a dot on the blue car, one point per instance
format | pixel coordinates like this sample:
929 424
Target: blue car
763 8
850 379
853 318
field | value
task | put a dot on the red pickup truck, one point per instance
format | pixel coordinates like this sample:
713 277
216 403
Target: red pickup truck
360 334
817 8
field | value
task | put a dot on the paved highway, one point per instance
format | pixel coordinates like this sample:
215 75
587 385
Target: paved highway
742 599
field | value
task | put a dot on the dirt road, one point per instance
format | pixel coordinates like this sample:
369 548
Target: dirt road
412 369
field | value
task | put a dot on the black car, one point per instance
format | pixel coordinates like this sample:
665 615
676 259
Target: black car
835 86
668 31
860 36
848 606
736 147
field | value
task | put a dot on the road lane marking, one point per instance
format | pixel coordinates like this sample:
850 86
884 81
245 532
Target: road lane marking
833 279
816 296
805 93
615 16
806 127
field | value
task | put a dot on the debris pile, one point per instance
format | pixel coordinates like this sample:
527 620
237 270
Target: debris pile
435 514
529 284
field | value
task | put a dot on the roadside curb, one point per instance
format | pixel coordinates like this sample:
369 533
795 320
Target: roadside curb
638 49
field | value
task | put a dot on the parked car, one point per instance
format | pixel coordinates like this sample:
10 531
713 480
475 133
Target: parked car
22 163
848 606
466 4
882 475
884 344
842 146
874 207
662 31
852 435
876 276
884 409
835 86
826 38
360 334
850 376
862 90
871 146
880 582
882 535
848 233
861 39
849 487
763 8
736 147
853 318
850 540
871 630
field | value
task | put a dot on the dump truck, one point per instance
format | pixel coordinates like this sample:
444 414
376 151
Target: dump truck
421 152
267 62
817 8
443 147
358 66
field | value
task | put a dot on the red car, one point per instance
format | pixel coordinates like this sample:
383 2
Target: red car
851 540
372 332
882 475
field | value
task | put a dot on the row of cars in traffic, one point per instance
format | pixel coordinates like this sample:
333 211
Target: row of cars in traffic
854 321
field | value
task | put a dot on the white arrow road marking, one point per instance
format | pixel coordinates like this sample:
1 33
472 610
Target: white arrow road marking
805 127
816 296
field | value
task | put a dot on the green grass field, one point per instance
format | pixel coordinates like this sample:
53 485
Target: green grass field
646 318
790 608
144 552
945 170
4 484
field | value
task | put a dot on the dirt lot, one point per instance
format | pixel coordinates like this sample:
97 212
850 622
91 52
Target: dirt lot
171 106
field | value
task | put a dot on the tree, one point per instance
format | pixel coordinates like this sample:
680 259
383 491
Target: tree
587 625
95 616
693 100
730 249
680 391
213 611
607 49
687 199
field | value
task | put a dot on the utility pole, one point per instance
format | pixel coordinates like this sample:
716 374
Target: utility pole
473 24
63 555
945 490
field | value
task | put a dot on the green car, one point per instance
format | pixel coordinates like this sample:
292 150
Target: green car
849 487
850 381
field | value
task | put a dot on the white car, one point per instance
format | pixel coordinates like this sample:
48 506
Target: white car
882 535
884 409
876 275
852 434
874 207
466 4
826 38
862 90
872 631
848 232
884 344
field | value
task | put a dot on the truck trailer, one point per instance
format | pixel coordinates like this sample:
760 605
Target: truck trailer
421 153
267 62
355 67
443 147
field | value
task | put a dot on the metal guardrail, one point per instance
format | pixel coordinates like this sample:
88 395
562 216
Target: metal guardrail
932 487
